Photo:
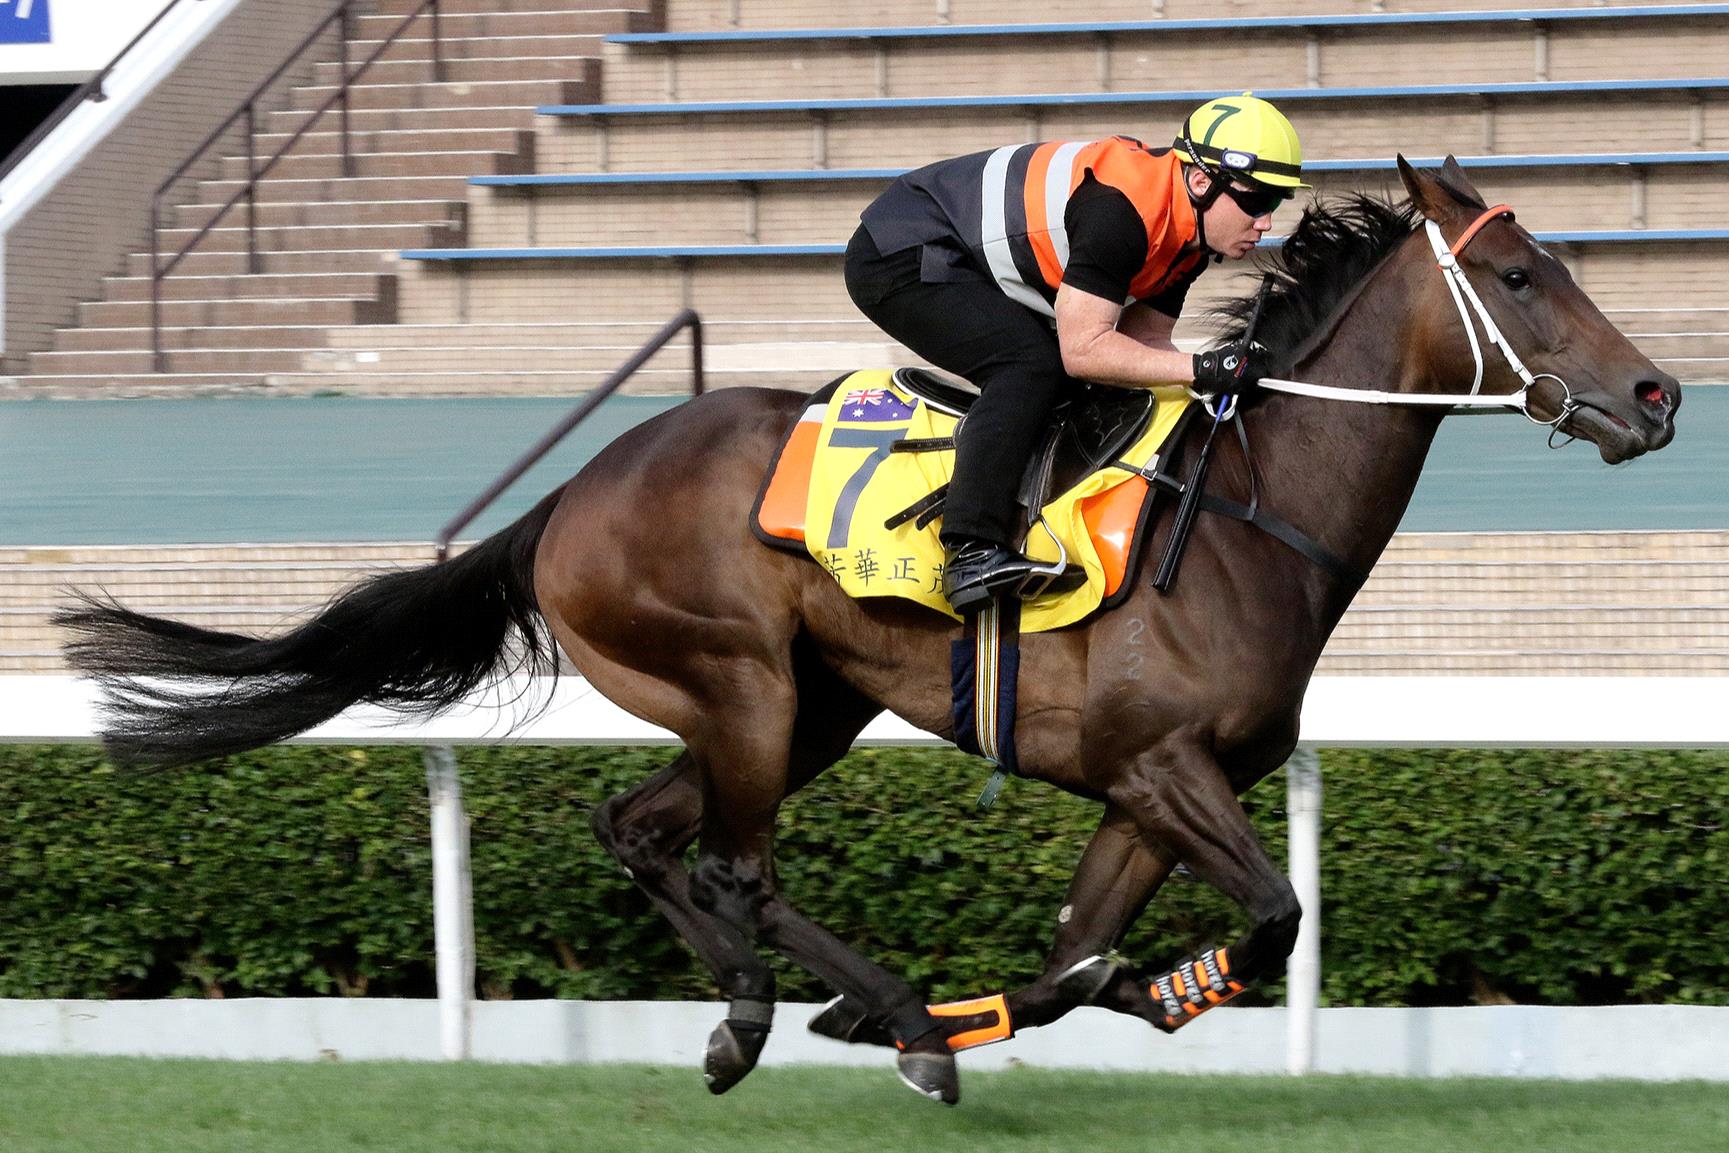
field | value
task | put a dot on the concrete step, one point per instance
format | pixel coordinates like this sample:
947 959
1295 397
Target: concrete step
796 212
178 361
541 20
231 236
137 386
1153 59
200 263
1683 345
725 15
418 49
1678 318
332 309
577 85
133 339
437 213
392 164
508 116
1582 123
492 68
326 140
298 285
488 384
626 335
650 9
340 188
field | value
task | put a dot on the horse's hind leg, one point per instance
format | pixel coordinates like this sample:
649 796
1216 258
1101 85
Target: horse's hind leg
745 775
648 827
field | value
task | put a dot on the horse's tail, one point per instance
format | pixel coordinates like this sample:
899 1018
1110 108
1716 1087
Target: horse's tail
417 641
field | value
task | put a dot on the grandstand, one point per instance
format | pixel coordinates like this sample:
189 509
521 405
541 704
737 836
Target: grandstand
580 171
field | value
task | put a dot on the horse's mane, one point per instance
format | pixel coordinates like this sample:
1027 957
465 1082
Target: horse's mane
1334 246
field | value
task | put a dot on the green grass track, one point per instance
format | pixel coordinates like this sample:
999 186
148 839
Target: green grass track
113 1105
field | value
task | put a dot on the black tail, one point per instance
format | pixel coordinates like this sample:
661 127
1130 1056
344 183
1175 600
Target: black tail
416 641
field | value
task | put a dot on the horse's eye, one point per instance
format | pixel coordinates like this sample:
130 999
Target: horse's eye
1516 278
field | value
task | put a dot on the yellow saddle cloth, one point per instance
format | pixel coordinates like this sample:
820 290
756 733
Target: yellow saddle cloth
837 481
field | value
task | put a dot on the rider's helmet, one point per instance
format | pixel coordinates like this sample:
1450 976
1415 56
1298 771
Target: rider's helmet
1243 138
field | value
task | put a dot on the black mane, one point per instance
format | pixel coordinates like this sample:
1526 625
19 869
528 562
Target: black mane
1334 246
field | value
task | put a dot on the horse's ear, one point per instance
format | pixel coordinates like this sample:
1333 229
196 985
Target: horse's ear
1425 192
1453 179
1439 193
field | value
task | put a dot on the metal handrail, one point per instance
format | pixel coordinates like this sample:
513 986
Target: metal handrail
255 173
91 90
686 318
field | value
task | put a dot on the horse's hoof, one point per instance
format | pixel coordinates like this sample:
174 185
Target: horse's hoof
932 1075
1085 980
732 1052
845 1020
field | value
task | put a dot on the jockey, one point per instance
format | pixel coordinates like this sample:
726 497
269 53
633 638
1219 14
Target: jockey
1034 264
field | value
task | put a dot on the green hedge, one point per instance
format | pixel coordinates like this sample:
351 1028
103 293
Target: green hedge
1447 877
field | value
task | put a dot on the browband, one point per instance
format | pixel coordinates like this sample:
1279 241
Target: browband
1470 233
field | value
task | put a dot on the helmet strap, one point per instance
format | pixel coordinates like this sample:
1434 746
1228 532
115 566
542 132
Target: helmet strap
1215 189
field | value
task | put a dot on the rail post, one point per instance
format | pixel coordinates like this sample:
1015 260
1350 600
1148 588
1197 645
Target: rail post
452 905
1303 972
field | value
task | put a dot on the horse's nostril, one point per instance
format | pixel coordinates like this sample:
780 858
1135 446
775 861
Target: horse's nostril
1651 393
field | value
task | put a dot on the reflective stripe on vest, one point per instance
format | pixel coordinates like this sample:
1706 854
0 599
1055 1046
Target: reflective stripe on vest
1024 198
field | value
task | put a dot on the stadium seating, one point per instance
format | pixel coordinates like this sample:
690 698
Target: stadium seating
806 122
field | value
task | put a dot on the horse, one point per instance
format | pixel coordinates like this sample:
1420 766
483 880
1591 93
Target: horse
643 572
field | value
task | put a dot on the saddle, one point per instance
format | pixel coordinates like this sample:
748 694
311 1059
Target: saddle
1088 431
862 475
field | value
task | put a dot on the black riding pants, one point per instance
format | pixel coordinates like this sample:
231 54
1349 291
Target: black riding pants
965 324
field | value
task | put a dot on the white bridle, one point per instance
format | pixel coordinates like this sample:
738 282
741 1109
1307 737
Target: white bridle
1460 287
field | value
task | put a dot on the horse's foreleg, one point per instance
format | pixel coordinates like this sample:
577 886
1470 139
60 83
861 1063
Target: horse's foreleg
1179 796
1117 875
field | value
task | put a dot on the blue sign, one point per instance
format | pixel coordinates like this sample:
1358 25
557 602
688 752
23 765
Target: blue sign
24 22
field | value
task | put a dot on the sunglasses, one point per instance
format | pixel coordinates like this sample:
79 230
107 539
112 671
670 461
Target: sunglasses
1255 202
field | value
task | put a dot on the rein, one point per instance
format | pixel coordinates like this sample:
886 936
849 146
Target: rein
1459 285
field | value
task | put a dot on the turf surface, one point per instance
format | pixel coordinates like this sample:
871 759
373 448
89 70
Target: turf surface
112 1105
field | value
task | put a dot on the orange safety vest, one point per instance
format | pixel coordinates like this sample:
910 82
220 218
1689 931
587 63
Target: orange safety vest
1007 207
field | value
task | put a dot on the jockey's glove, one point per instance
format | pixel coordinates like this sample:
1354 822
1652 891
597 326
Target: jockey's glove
1234 368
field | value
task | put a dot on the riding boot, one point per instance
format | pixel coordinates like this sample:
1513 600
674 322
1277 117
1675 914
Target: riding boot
975 571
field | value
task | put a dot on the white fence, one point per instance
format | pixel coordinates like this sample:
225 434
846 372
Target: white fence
1652 1042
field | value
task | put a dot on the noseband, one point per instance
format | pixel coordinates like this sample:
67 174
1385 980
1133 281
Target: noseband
1459 285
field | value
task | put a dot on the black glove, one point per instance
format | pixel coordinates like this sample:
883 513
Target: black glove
1235 368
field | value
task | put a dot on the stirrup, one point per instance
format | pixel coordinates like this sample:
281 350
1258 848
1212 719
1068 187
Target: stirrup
1037 582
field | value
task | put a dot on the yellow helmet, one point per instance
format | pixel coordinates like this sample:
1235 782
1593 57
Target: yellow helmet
1247 138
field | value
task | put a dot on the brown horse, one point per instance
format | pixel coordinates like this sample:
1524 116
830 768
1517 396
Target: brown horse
645 573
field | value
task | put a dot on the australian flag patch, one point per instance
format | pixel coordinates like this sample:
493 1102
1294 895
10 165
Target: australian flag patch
873 406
